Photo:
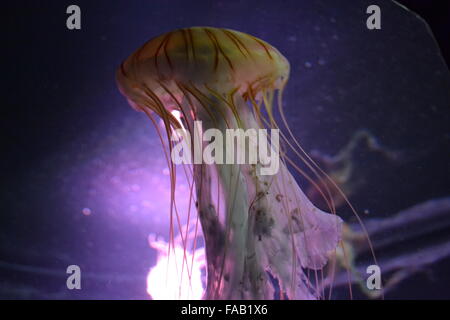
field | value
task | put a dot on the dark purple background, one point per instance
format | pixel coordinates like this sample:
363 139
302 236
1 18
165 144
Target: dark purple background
68 134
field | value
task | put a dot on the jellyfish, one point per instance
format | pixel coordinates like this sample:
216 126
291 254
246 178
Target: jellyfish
426 223
261 233
346 171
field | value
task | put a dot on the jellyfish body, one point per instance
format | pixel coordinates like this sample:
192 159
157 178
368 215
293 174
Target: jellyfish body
256 227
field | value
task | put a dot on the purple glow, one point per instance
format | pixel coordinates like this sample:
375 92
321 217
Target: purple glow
123 182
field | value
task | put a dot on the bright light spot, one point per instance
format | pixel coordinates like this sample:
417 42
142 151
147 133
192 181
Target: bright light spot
86 211
169 278
177 115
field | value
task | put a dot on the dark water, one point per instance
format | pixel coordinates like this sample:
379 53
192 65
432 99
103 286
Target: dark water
71 142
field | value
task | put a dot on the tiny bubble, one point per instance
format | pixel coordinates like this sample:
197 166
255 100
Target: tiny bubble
115 179
146 204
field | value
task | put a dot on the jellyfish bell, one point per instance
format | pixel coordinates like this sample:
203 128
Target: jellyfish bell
222 59
261 232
